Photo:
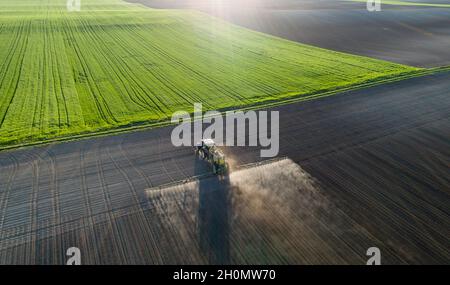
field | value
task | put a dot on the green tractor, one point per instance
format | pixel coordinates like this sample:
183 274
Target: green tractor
207 150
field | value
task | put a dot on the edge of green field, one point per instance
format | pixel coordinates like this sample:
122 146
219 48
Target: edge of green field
268 104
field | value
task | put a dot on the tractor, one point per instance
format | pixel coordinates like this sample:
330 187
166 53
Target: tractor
207 150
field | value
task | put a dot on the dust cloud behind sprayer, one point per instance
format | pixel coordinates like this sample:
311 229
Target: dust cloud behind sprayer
271 211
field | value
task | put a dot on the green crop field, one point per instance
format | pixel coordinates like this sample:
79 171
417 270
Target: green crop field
115 64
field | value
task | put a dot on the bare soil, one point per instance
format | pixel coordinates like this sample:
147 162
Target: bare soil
373 163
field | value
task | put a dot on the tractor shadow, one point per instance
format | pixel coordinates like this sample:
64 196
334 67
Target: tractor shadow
213 215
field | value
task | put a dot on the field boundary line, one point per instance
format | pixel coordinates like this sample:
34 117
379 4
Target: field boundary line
256 106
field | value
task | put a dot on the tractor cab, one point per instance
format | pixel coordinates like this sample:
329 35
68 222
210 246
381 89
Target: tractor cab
206 143
205 148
